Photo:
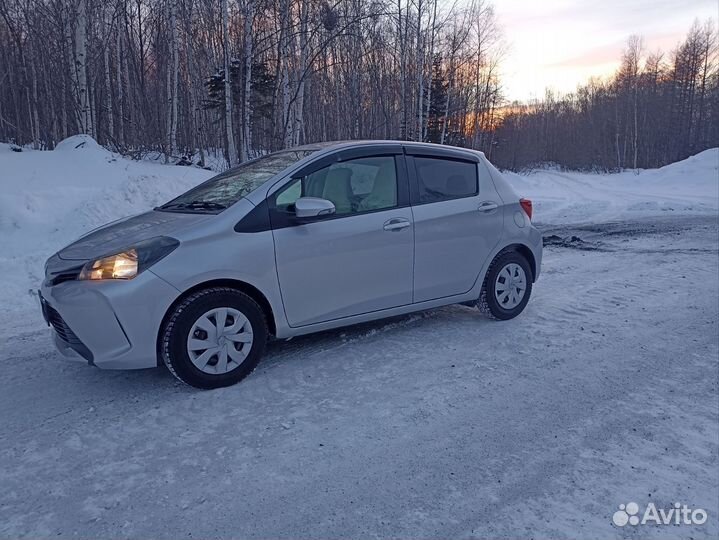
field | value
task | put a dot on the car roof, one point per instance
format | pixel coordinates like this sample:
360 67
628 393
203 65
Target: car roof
374 142
411 146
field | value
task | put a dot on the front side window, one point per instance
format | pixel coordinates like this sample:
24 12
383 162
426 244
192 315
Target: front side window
444 179
353 186
229 187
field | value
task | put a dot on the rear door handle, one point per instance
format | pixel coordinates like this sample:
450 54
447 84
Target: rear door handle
487 206
396 224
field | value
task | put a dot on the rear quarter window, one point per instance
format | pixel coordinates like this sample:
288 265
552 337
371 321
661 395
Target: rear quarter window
441 179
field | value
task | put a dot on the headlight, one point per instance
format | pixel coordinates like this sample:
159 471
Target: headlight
120 266
129 262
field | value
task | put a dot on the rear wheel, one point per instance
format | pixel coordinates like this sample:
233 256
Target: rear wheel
214 338
507 286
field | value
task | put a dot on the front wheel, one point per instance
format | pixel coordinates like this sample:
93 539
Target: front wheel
507 286
214 338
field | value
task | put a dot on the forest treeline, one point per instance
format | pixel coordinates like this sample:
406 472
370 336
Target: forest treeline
246 77
657 109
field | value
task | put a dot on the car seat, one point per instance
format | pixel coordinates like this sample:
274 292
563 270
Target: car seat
338 189
384 189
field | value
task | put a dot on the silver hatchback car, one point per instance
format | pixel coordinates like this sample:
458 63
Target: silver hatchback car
294 242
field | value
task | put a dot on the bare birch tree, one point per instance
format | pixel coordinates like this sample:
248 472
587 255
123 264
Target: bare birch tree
231 149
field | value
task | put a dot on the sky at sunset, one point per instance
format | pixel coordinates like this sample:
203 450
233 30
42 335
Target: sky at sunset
561 43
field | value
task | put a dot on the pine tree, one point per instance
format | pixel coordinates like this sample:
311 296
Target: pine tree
438 103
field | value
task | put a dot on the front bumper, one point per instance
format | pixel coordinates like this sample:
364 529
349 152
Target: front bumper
110 324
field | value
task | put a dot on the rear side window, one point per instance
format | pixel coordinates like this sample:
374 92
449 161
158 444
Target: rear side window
444 179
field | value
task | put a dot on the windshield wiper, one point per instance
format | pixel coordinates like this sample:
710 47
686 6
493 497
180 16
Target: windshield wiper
194 205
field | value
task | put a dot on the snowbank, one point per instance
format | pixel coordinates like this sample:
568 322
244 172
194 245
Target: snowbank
49 198
690 186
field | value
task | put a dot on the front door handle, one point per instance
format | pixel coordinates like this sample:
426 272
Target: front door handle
487 206
396 224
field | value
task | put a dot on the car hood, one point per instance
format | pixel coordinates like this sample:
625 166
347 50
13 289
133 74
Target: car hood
121 234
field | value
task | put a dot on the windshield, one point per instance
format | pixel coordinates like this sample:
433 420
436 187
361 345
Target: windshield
227 188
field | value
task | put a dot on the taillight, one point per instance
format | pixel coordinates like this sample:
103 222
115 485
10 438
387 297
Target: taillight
526 206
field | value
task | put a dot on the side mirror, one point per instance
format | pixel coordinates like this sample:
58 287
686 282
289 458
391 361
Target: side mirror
313 207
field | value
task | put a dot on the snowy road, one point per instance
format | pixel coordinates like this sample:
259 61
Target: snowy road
436 425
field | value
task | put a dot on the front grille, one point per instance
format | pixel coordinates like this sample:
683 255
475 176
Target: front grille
61 327
66 334
58 270
62 278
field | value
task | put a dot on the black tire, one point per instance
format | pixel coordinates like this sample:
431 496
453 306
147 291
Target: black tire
488 303
173 340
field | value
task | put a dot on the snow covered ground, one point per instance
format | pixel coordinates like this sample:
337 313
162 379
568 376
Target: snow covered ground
435 425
